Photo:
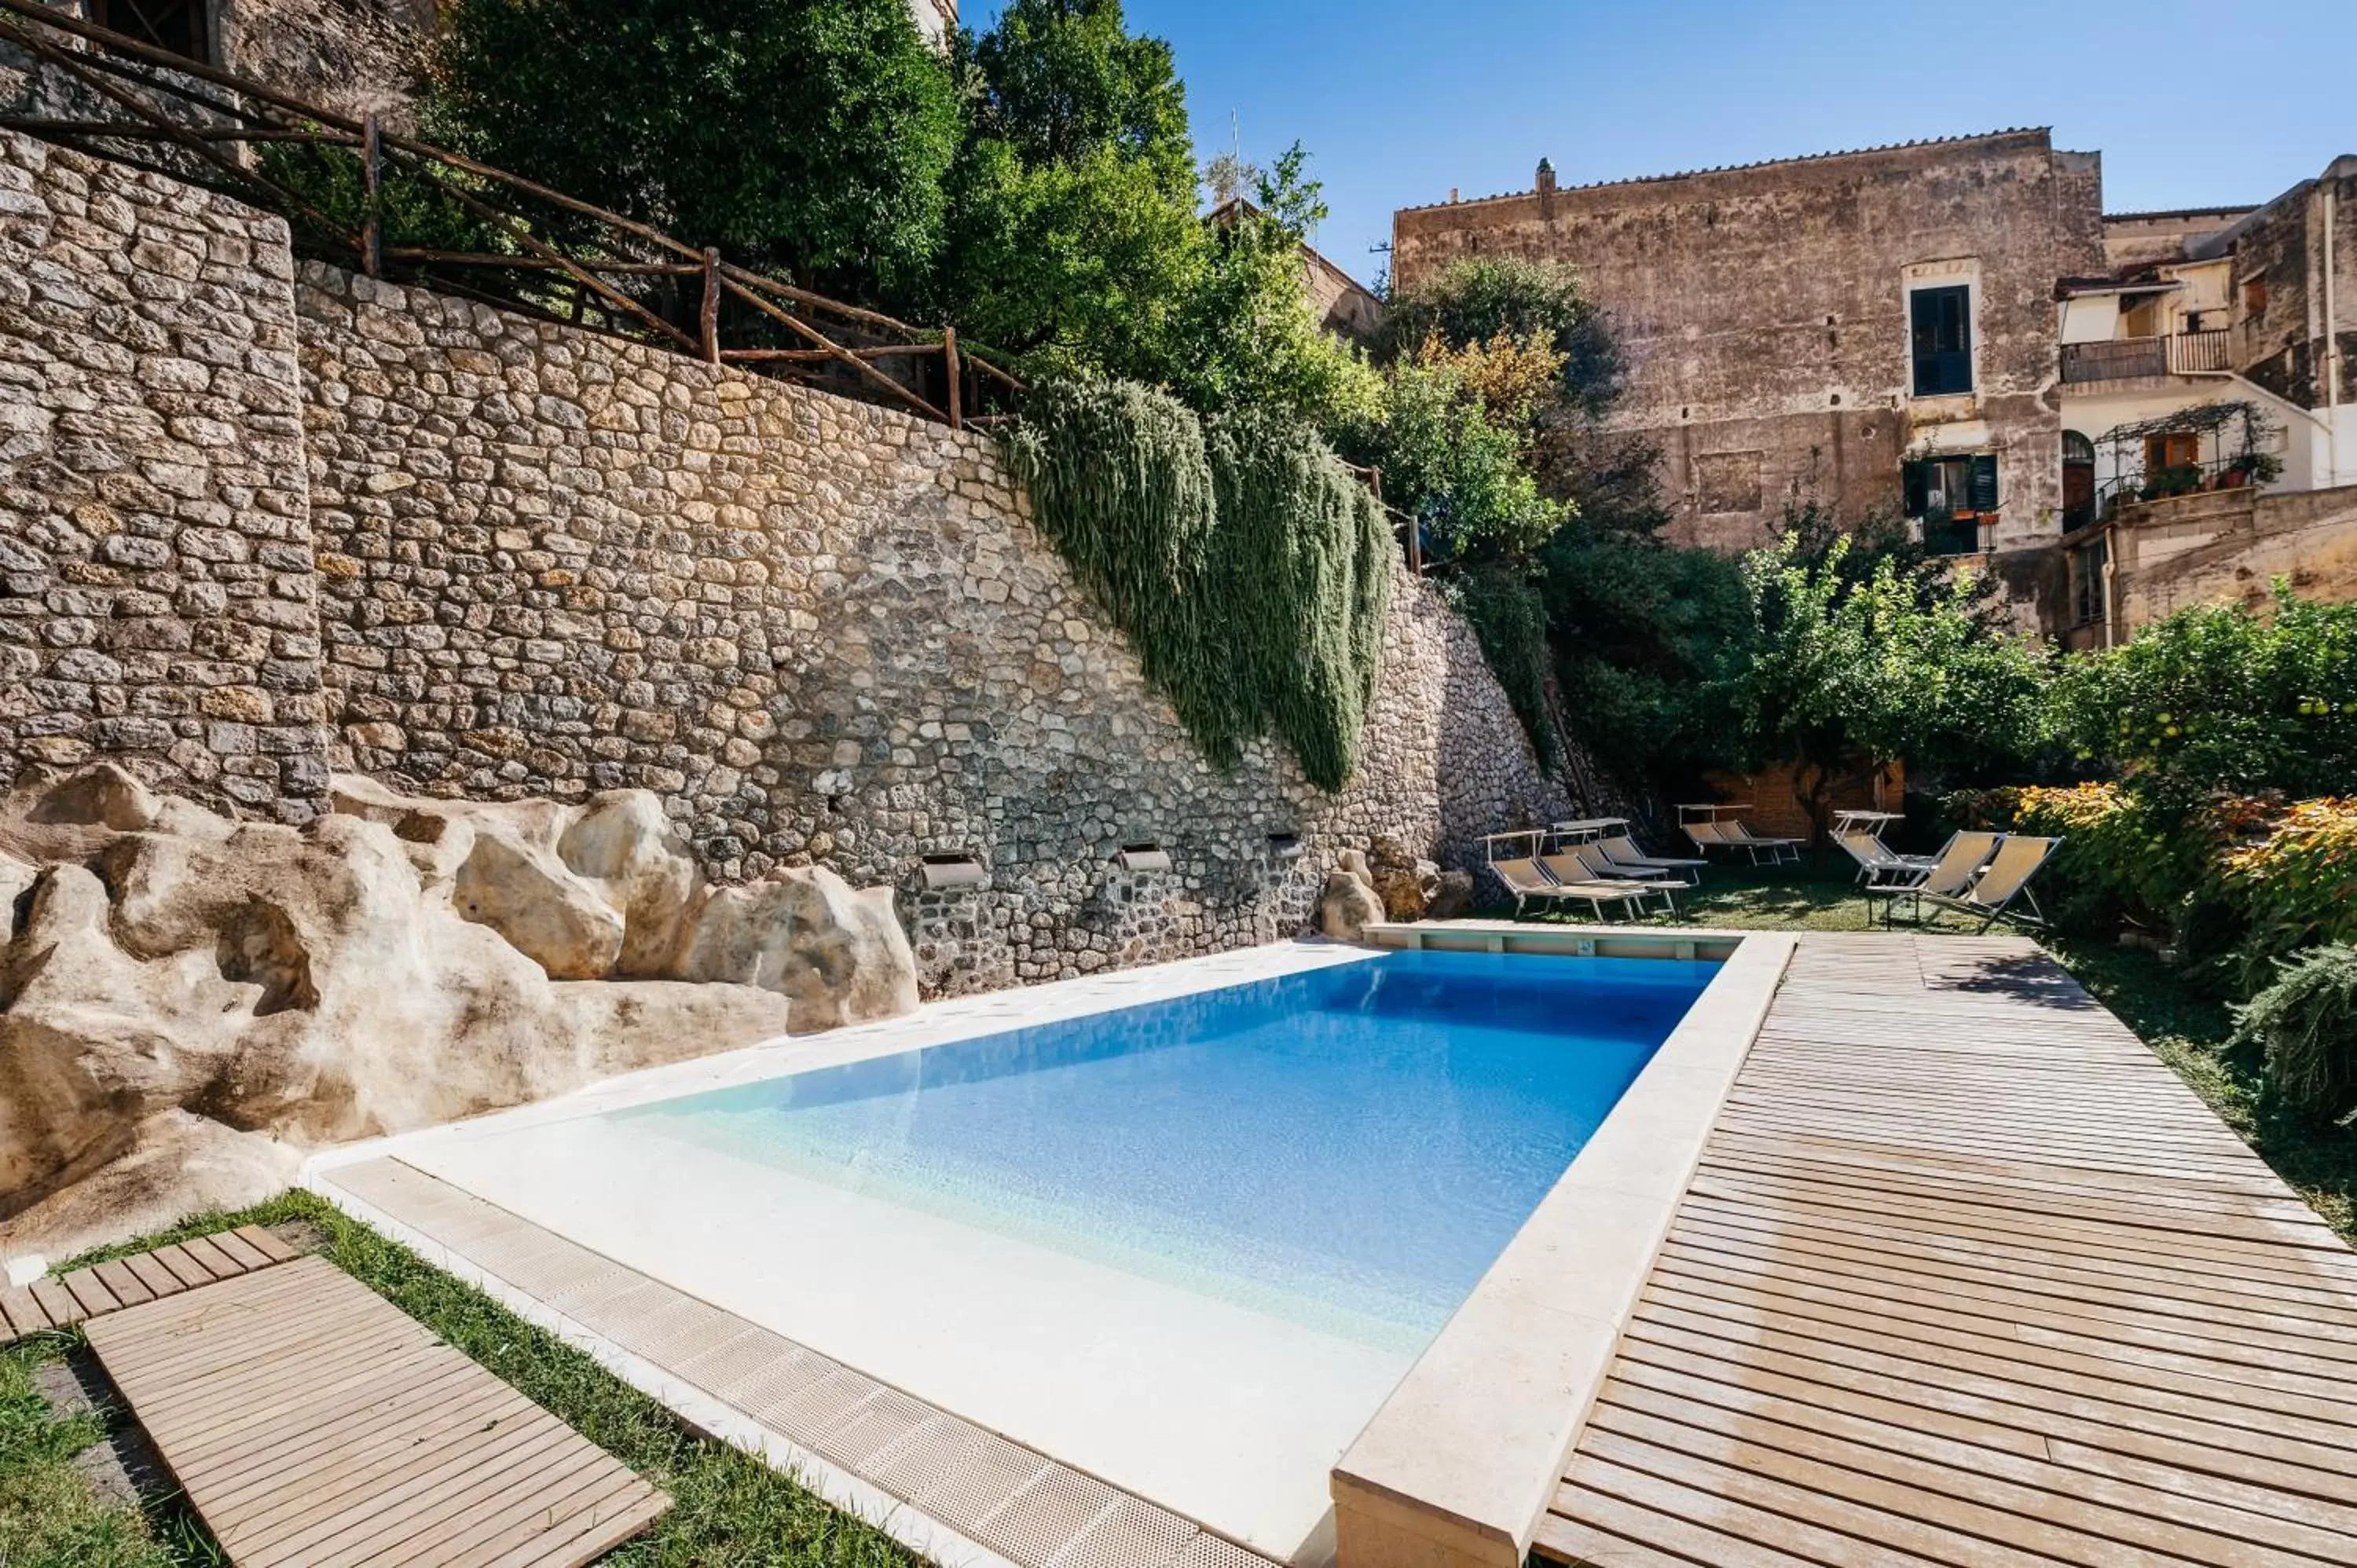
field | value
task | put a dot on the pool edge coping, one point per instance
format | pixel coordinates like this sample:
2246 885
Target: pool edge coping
1456 1468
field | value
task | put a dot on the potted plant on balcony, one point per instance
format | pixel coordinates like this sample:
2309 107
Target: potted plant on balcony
2250 469
2177 479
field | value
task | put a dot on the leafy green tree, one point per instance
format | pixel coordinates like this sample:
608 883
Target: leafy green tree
1643 635
2219 697
1483 298
1843 672
808 136
1075 241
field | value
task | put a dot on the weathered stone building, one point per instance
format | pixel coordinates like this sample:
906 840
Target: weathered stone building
1956 329
1815 323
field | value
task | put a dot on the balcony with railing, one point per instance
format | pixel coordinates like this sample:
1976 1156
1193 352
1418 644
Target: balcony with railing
2127 358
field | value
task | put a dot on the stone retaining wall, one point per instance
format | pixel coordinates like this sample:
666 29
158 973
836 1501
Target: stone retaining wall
156 586
553 563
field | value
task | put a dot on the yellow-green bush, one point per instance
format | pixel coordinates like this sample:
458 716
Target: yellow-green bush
2125 860
2296 886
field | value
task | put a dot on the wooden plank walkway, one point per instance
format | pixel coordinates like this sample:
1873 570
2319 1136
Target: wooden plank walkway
1968 1277
312 1423
89 1293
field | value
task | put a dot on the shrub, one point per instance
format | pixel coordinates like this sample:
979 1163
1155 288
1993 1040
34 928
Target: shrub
2296 887
2305 1022
2220 697
2125 859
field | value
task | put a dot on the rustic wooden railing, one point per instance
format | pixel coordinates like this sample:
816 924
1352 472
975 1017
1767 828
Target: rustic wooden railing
542 253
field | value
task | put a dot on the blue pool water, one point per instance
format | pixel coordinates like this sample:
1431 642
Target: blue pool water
1349 1147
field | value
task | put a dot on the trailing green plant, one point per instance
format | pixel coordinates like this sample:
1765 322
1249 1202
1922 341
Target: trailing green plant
2306 1023
1507 614
1248 567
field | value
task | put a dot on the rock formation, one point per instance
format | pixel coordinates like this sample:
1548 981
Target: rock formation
1451 897
1348 905
187 1002
1401 881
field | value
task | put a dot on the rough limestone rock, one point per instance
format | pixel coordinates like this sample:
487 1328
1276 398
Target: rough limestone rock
1451 897
529 897
1348 906
1401 880
187 1003
839 955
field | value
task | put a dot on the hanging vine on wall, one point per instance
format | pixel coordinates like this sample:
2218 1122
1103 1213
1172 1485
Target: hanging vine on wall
1248 567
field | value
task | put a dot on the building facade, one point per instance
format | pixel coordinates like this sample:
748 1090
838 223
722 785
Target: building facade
1873 327
1956 329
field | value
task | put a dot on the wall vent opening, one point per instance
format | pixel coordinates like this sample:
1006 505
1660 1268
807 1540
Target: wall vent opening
1284 846
943 871
1144 855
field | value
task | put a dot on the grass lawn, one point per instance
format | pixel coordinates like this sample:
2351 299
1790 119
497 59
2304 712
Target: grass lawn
49 1515
2187 1028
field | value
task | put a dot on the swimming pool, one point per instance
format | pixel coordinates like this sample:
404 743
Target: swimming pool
1188 1246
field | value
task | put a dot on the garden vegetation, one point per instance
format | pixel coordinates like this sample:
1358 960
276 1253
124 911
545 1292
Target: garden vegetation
1192 438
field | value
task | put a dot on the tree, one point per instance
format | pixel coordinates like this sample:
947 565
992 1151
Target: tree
1645 635
1842 672
1482 299
2218 697
808 136
1075 241
1458 470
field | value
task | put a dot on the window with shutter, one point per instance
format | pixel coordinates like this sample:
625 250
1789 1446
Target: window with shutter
1952 498
1939 322
1983 484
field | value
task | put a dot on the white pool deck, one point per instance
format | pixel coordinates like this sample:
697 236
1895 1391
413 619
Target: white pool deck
1231 1418
1221 1414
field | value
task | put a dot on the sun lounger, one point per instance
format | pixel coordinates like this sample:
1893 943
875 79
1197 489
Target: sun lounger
1573 880
2005 879
1586 863
1876 858
1732 831
1706 836
1622 850
1525 880
1950 875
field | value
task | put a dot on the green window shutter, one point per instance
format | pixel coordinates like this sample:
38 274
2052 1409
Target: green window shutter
1916 479
1984 484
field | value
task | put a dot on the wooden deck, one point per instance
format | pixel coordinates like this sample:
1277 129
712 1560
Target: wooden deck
85 1293
1968 1277
312 1423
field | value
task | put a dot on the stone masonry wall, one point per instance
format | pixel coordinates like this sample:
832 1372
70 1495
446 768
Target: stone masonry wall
156 588
555 563
1764 314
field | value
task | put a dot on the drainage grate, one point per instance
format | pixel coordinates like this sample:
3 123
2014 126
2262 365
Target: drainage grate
1130 1534
1047 1516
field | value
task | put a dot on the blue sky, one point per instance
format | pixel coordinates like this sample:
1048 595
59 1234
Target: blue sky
1399 100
